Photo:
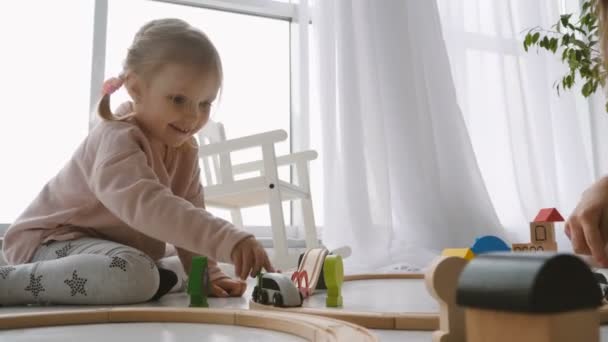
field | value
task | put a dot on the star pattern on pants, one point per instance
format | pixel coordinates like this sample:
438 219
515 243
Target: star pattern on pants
119 262
35 286
63 252
4 271
76 284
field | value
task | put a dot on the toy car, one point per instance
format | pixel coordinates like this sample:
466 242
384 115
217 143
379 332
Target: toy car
276 289
603 283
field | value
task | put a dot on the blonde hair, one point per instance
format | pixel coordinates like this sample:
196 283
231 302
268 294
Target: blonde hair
158 43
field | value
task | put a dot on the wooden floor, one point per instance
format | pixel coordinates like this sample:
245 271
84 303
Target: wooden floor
367 295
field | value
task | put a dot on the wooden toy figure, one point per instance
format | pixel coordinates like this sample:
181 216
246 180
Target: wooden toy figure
529 297
198 282
333 272
441 280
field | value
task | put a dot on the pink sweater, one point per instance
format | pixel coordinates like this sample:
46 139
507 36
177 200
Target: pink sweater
124 186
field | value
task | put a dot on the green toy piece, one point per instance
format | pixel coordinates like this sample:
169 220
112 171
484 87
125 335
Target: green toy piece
198 282
333 272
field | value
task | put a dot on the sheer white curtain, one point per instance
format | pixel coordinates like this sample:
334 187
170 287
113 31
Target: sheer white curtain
400 177
534 149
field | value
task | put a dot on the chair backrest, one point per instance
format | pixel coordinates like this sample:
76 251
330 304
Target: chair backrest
216 168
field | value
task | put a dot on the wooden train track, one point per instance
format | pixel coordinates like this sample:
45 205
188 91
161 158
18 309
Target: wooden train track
371 320
309 327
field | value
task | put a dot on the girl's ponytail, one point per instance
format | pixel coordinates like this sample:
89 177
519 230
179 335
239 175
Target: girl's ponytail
103 107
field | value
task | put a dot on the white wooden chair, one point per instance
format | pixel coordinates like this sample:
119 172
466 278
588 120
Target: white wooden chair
224 190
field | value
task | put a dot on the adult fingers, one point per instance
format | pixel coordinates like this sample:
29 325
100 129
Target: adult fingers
267 265
257 265
246 264
579 244
594 240
236 259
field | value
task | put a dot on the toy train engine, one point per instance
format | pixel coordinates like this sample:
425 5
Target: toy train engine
276 289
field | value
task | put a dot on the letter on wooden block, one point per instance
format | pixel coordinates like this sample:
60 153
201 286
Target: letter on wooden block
542 232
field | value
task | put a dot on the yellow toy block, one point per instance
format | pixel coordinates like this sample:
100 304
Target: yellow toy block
465 253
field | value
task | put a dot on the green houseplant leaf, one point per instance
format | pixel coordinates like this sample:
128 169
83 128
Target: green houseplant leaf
577 44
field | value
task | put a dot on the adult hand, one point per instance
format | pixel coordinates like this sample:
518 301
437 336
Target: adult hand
587 226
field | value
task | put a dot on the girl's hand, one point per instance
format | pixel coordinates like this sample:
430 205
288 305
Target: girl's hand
248 257
227 287
587 227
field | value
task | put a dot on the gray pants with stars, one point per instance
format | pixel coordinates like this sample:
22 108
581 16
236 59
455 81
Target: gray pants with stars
82 271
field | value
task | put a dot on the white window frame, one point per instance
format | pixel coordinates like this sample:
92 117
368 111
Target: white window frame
299 70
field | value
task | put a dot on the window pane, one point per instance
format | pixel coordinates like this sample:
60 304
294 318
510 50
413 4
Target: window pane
45 66
255 57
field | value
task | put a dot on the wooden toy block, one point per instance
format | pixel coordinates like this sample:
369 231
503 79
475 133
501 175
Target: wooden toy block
542 232
198 282
333 271
312 262
542 228
529 297
441 279
489 243
580 326
465 253
535 247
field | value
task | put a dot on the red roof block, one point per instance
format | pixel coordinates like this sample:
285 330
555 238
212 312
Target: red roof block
548 215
